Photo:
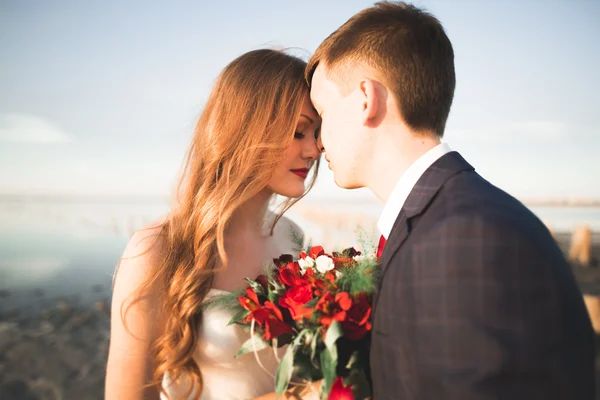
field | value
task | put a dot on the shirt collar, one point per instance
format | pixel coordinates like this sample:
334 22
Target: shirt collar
405 185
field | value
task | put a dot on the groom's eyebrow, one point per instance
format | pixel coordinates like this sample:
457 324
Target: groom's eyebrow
308 118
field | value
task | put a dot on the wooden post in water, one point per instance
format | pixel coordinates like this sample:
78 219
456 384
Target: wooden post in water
592 303
581 246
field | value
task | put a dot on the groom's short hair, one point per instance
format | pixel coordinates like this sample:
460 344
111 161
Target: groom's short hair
407 49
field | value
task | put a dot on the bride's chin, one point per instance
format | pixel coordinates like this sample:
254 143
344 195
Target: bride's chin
292 193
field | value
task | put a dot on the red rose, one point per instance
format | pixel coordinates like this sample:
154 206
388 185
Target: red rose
339 391
333 308
295 298
357 321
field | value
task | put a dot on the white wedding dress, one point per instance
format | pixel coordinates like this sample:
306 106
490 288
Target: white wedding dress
226 377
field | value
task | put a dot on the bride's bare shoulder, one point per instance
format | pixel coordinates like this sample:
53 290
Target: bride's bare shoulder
144 252
150 239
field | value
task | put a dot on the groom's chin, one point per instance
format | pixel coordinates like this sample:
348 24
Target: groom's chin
347 184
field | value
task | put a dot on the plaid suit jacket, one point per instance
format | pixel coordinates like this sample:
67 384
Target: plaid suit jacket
476 301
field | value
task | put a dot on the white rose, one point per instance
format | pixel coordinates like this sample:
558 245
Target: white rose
306 263
324 264
359 258
365 257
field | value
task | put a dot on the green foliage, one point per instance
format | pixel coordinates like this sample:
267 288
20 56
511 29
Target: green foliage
228 301
254 343
297 238
284 371
359 277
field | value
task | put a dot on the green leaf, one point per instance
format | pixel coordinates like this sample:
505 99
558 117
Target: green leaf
360 384
273 297
329 357
333 334
227 301
309 245
297 238
255 285
247 347
284 372
328 365
311 303
313 345
240 315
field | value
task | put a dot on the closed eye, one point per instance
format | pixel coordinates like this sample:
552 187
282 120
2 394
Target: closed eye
299 135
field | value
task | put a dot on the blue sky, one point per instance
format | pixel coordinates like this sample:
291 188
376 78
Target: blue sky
100 98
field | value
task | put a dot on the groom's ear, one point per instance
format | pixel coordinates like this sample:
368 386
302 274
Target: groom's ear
370 103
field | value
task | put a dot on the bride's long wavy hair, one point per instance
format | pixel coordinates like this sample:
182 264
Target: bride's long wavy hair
248 122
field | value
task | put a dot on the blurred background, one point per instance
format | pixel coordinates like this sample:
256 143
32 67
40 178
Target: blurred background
98 101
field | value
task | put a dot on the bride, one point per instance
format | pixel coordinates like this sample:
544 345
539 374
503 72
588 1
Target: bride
255 139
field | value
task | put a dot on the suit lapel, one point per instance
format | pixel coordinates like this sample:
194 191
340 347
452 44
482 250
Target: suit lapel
424 191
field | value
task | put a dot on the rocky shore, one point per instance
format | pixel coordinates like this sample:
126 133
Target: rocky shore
56 348
55 354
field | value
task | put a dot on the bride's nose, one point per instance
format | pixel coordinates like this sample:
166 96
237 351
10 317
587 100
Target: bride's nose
320 146
311 149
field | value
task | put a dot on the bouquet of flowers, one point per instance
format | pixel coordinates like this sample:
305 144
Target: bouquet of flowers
319 306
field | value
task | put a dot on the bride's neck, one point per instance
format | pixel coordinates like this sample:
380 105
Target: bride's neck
251 215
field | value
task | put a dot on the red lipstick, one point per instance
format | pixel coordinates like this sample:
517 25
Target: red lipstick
301 172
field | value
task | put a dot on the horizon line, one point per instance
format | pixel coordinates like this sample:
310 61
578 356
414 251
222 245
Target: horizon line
130 197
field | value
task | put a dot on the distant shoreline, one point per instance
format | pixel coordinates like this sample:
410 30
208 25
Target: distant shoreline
163 199
14 198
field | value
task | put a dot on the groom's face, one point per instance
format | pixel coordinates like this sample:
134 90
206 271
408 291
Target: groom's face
341 128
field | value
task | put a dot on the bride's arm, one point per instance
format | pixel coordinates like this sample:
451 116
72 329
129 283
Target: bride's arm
130 362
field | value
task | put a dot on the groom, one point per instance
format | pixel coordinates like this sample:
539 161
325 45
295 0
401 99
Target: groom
476 301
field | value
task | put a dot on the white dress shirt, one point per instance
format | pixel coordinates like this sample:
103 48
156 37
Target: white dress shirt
405 185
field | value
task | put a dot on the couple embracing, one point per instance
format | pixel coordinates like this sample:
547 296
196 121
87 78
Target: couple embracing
476 301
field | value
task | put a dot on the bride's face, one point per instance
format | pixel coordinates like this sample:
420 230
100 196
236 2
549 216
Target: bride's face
290 175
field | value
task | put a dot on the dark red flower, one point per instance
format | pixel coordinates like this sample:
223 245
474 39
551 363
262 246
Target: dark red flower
295 298
283 260
339 391
263 281
357 321
333 308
